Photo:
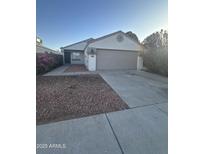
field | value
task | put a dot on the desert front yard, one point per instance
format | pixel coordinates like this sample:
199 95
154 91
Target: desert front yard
66 97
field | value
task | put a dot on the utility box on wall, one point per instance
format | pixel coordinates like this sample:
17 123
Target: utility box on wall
92 62
91 59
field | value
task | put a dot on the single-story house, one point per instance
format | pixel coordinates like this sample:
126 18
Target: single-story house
115 51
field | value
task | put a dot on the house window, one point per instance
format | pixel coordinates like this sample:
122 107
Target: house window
76 56
76 59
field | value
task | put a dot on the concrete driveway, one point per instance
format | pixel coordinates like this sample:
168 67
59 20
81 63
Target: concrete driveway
138 88
142 129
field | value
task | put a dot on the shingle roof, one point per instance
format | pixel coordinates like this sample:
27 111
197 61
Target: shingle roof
91 40
87 40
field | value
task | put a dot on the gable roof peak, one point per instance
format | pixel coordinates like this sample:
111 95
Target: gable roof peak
105 36
87 40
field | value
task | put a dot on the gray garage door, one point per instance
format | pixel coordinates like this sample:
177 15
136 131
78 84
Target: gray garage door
116 60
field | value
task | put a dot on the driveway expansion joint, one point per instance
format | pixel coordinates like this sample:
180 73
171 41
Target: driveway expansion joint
114 133
145 105
160 109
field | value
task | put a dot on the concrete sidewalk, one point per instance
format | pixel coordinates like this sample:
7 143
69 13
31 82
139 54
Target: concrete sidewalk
57 71
60 72
141 130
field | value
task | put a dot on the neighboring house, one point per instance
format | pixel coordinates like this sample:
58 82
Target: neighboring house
116 51
42 49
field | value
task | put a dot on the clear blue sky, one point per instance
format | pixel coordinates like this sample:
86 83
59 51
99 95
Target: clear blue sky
62 22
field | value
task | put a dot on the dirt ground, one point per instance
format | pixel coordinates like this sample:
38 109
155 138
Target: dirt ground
66 97
76 68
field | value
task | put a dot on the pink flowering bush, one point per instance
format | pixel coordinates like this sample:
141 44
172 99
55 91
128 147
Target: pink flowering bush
47 61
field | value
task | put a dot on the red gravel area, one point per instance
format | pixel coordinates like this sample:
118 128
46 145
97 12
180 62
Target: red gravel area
66 97
76 68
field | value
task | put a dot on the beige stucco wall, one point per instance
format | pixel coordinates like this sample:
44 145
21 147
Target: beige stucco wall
112 43
86 58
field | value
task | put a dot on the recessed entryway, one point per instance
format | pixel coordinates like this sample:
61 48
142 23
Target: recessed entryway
67 57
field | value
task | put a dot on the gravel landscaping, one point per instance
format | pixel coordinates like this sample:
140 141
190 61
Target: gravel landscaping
66 97
76 68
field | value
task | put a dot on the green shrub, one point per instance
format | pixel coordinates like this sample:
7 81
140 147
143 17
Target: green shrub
156 60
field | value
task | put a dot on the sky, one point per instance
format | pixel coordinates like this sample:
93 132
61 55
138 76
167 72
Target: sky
63 22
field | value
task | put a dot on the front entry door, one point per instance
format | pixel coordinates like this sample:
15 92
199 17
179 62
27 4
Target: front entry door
67 57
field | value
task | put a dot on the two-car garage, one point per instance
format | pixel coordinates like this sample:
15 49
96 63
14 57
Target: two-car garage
116 59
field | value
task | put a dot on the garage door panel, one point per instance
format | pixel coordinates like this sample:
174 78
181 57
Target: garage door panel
116 60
